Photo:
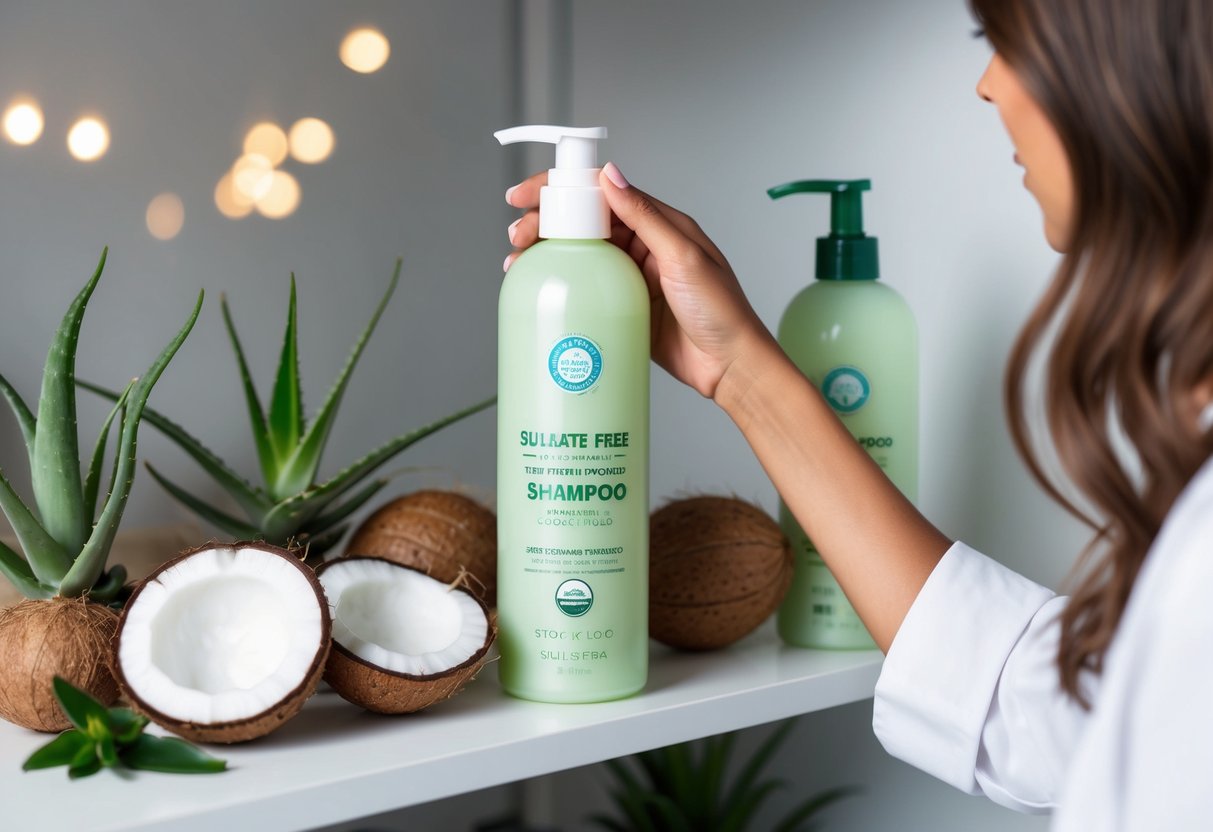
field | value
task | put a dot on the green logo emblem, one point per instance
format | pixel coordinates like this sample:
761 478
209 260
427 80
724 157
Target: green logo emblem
846 389
574 598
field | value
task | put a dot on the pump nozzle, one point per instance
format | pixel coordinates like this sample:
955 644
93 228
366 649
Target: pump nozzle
571 205
847 253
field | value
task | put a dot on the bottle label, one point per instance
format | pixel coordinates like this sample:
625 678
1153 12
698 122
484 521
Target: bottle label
575 363
574 598
846 389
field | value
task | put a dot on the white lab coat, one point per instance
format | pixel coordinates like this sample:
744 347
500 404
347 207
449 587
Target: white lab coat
969 691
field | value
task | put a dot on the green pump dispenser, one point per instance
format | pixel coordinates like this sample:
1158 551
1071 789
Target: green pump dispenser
855 338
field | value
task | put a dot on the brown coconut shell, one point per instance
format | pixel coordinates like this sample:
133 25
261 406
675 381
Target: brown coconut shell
385 691
440 533
40 640
718 567
258 725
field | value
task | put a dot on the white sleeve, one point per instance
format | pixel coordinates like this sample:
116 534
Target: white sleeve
970 691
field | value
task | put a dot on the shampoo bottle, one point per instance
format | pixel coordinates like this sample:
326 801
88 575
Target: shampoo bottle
855 339
572 445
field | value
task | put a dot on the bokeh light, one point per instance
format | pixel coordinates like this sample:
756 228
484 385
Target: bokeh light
165 216
311 140
253 174
267 139
23 122
88 139
282 198
230 202
365 50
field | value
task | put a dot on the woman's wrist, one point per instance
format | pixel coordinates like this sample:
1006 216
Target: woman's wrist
759 364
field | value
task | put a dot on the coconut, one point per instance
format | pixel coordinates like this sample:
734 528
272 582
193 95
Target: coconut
439 532
402 640
224 643
718 567
40 640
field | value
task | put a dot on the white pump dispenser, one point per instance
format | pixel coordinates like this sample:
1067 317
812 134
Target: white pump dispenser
571 205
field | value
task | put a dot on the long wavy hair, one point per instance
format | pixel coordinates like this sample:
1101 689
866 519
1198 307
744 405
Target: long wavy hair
1127 321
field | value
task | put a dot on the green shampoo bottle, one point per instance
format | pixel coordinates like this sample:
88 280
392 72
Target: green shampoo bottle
572 445
856 340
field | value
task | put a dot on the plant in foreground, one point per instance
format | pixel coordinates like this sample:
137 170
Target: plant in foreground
65 542
674 789
107 737
290 508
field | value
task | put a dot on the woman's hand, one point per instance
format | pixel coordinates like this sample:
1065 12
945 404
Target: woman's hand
702 322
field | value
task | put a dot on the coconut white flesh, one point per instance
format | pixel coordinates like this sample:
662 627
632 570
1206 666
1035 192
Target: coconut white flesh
401 620
224 635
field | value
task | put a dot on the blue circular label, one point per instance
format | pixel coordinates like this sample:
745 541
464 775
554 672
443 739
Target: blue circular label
575 363
846 389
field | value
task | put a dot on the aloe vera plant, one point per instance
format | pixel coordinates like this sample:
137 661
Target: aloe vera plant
66 541
290 508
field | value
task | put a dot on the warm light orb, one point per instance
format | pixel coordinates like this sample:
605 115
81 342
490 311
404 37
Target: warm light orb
23 122
365 50
165 216
282 198
311 140
268 140
88 139
252 174
230 202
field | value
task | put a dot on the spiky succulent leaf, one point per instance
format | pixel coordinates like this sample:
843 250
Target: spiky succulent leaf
252 500
14 567
46 556
793 820
743 786
741 815
316 545
233 526
261 433
330 518
92 482
55 473
299 470
286 518
25 418
91 561
286 403
109 585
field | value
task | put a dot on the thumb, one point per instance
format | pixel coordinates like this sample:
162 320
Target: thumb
641 213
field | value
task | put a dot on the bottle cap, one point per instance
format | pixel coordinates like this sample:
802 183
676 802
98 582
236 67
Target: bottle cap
571 205
847 253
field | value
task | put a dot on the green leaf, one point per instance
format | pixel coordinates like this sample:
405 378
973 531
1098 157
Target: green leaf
669 813
716 760
127 725
91 561
300 469
14 567
171 755
286 518
60 751
261 433
92 482
793 820
24 417
107 751
82 710
250 499
231 525
678 764
625 777
108 585
633 806
753 768
286 403
742 813
55 472
317 545
45 555
85 767
327 520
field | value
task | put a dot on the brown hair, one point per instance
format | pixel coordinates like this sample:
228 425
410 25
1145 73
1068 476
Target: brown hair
1128 85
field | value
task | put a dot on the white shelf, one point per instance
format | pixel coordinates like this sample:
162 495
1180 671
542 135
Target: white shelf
335 762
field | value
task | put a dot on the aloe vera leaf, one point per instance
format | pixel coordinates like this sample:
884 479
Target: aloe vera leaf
716 760
261 433
233 526
252 500
92 482
60 751
742 812
286 402
48 559
91 560
327 520
24 417
14 567
315 546
55 472
109 585
749 774
293 512
82 710
299 470
669 813
170 754
793 820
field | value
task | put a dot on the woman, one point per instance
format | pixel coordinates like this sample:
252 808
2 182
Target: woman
1096 704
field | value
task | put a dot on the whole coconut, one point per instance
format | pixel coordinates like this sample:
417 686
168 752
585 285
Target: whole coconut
440 533
718 567
40 640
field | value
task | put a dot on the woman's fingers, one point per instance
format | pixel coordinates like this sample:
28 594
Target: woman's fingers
526 193
641 213
524 231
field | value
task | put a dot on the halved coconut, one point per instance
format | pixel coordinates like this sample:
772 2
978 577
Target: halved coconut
224 643
401 639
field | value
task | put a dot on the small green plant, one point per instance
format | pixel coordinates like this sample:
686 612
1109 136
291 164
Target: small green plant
675 789
67 541
290 508
109 737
